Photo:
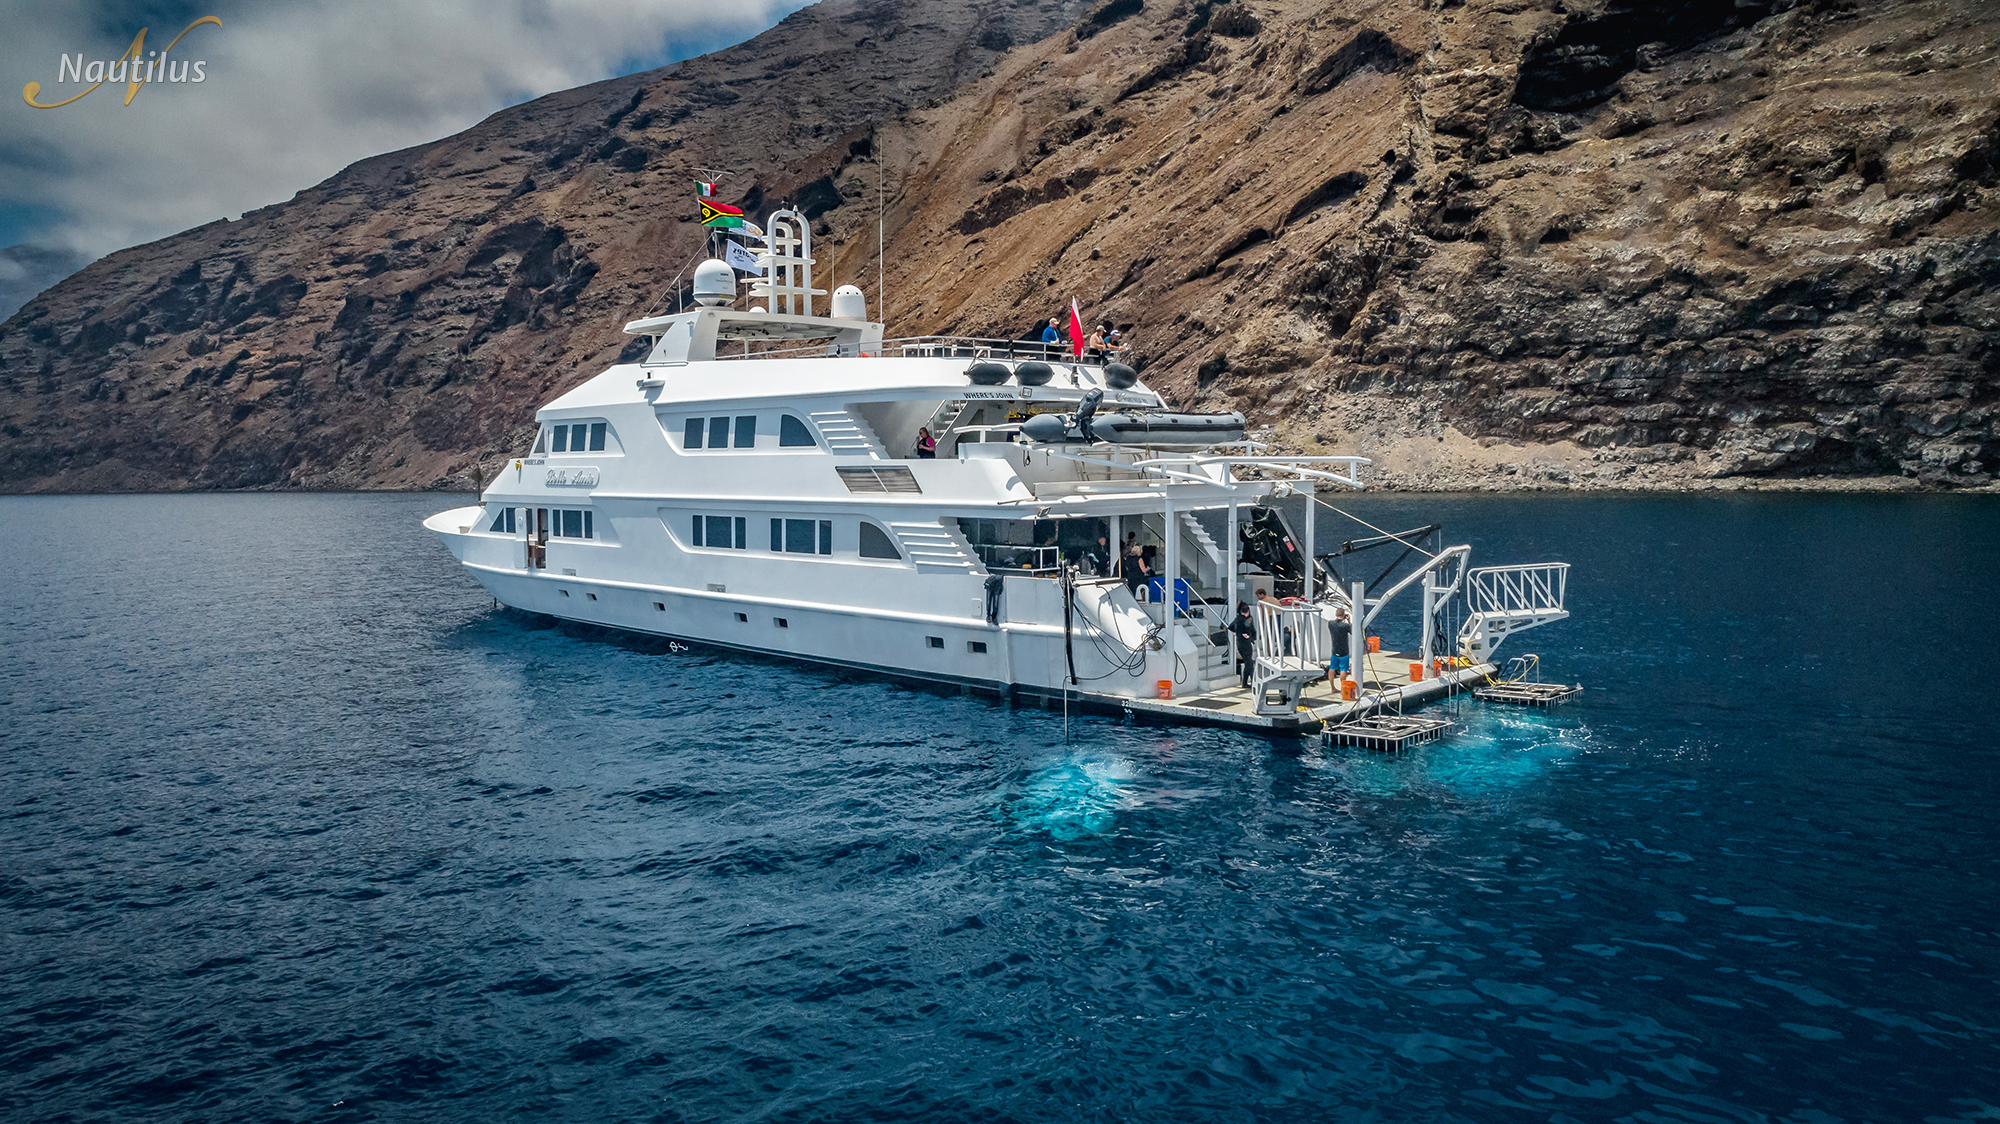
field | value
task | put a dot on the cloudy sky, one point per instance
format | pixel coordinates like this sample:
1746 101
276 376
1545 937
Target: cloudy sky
295 91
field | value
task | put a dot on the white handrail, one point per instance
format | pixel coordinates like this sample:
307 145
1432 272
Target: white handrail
1538 586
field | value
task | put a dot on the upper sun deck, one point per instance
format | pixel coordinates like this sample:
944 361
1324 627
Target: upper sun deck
723 355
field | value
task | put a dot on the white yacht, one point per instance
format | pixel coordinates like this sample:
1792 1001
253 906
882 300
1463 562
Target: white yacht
950 509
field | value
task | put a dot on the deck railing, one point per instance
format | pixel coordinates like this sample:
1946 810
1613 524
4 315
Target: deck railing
927 347
1537 587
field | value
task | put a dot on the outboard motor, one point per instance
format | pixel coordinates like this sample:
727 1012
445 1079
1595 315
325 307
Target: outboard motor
1084 411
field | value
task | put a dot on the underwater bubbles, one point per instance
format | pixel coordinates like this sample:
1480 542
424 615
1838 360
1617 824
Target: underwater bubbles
1075 796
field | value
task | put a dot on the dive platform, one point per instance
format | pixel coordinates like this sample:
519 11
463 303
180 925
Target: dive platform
1318 707
1528 694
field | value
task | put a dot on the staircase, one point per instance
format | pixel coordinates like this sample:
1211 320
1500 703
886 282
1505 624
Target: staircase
936 548
946 418
847 435
1192 534
1217 662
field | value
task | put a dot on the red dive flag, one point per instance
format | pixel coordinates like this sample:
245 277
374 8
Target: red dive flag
720 214
1075 328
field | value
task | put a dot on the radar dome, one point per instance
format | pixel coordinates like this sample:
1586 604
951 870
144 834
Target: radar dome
849 303
714 283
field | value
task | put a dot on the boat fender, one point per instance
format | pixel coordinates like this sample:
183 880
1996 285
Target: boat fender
1046 427
1034 373
987 374
1120 377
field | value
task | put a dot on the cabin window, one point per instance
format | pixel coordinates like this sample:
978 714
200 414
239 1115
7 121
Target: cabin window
541 443
876 543
597 437
559 440
660 605
802 536
746 431
793 433
503 521
781 622
742 618
934 641
692 438
718 433
571 523
799 536
722 532
976 647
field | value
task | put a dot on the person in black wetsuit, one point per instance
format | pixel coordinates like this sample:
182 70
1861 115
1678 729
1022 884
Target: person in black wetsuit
1245 630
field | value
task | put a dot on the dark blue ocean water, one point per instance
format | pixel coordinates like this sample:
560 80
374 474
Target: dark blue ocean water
297 827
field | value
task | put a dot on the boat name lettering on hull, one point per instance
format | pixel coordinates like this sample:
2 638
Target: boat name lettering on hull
585 477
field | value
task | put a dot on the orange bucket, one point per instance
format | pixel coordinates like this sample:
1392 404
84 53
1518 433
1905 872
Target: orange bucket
1347 689
1374 643
1416 673
1165 687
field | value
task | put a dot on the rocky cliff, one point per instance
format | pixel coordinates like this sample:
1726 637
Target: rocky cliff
1493 244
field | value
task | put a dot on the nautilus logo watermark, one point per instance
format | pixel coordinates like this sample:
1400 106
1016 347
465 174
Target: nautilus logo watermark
137 68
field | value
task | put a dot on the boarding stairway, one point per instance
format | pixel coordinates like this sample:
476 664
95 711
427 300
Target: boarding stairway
1503 600
1293 645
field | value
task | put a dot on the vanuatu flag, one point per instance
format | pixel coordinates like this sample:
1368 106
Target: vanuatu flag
720 214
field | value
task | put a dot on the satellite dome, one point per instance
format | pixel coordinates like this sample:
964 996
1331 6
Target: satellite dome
714 283
849 303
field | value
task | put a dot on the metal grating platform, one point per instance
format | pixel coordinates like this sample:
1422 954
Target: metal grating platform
1528 694
1386 732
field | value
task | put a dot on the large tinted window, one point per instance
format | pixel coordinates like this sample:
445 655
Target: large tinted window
792 431
799 537
719 535
746 431
826 536
742 533
596 437
875 543
692 439
718 433
572 524
559 443
699 523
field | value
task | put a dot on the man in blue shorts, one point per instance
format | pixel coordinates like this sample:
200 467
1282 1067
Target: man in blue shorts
1337 666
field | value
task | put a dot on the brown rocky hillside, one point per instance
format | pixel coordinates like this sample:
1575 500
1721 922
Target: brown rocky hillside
1593 243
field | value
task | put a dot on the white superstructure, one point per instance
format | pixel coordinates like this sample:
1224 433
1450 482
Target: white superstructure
756 482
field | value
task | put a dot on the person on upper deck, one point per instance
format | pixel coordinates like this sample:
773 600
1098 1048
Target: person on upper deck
1093 348
926 444
1051 336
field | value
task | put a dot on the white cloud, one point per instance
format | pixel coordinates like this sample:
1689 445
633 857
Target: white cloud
295 91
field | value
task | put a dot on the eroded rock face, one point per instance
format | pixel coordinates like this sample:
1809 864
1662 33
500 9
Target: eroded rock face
402 320
1596 241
